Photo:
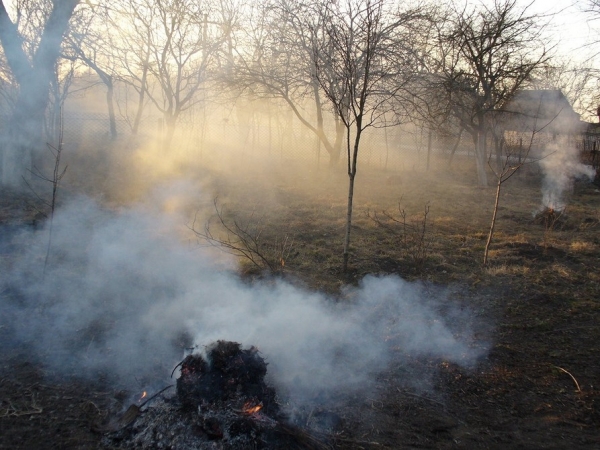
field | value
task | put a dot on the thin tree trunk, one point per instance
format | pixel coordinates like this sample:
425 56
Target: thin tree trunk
107 79
111 109
335 154
352 163
456 144
140 107
493 224
429 139
351 178
480 158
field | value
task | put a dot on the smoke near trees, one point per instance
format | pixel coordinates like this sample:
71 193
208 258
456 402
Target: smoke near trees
232 168
132 272
364 62
172 54
491 53
335 69
33 74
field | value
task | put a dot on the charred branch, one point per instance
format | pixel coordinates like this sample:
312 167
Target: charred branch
246 239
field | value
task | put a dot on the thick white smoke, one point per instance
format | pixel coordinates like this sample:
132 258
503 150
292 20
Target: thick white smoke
122 290
561 166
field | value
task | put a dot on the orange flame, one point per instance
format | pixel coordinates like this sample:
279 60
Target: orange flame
249 408
144 395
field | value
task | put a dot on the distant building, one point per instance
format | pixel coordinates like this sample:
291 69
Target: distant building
541 112
537 117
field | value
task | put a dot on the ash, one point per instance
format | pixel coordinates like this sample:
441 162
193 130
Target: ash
166 425
222 402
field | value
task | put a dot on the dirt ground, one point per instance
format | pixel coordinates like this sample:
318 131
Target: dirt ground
537 303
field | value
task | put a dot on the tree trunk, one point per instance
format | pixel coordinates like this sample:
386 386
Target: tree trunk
429 140
24 134
493 225
351 178
111 109
352 163
25 127
456 144
336 150
107 79
141 98
481 158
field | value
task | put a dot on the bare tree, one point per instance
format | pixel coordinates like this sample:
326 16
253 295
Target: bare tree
490 52
527 121
368 63
181 47
247 239
164 51
33 72
91 42
510 165
280 64
427 105
127 22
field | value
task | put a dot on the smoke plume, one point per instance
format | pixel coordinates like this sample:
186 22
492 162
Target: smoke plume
561 166
124 293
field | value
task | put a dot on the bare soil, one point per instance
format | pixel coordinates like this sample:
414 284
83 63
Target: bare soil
538 303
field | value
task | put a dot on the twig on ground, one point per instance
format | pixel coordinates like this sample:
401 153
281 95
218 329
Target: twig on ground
12 411
572 377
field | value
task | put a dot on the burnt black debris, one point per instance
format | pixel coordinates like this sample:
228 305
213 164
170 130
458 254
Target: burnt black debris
228 373
222 402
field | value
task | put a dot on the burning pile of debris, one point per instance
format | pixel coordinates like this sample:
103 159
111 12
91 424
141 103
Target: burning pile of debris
221 402
550 218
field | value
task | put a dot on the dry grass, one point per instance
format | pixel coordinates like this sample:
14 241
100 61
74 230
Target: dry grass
311 208
507 270
538 299
583 247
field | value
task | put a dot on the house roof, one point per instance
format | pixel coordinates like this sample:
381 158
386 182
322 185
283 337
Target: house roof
540 110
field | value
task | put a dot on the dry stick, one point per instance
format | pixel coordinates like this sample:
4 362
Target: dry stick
572 377
155 395
56 177
14 412
55 180
130 415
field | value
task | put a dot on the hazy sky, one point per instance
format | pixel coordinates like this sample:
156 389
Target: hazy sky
572 28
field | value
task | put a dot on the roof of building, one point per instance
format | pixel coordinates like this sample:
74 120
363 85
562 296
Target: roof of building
540 110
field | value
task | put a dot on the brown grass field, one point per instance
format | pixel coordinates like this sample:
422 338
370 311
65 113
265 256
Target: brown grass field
538 303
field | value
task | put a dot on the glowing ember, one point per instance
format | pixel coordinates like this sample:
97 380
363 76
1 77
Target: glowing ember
144 395
249 408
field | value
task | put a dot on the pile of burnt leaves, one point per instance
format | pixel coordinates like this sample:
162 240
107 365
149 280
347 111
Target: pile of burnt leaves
222 402
550 218
227 374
